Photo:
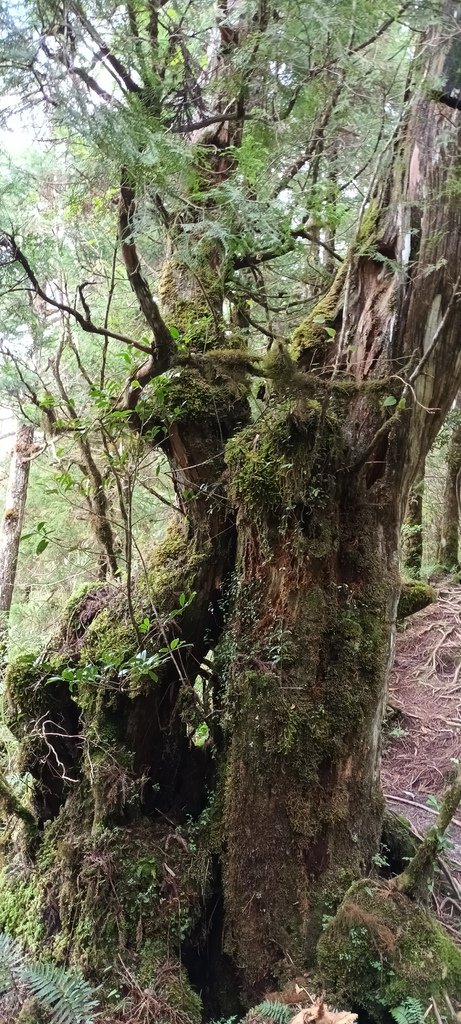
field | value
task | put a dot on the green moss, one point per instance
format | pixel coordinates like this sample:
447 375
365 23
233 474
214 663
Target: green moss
276 475
185 394
169 982
315 329
307 650
187 306
414 596
109 638
11 803
137 891
21 675
76 599
366 234
382 948
170 571
31 1013
28 695
21 902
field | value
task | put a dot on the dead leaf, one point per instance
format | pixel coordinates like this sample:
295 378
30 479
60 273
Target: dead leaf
319 1011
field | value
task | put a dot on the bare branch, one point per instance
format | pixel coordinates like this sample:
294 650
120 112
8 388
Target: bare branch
164 347
8 244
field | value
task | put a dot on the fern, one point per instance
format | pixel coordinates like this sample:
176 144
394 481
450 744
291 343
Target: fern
277 1012
11 963
409 1011
66 996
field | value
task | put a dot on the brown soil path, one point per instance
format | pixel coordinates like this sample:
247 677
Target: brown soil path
423 733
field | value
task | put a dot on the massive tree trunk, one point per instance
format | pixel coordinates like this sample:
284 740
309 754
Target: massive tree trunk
321 489
13 516
448 550
284 565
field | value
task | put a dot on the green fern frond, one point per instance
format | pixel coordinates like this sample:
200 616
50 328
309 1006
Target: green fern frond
67 996
410 1011
274 1011
11 962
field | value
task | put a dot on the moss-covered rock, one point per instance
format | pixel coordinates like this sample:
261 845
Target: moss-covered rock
414 595
382 948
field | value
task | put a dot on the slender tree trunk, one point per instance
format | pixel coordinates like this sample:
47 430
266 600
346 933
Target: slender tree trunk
13 517
448 551
412 543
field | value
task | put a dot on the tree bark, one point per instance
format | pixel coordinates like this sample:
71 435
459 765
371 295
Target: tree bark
448 551
10 536
319 568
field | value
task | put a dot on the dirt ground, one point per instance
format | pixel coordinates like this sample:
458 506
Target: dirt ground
423 734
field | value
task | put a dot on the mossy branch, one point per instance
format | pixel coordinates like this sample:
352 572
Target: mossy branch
415 879
13 805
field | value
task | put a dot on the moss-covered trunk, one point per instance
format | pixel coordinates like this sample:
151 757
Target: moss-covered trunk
285 565
307 653
121 864
321 486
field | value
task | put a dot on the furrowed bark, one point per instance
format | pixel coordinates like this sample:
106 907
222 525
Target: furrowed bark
318 572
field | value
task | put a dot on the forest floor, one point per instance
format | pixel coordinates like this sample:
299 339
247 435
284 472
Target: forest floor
423 734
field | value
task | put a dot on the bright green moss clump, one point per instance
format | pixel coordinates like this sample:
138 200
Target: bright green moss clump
414 595
382 948
286 467
185 394
109 638
21 902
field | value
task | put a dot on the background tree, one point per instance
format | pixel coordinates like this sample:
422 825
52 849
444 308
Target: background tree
449 532
412 534
13 517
